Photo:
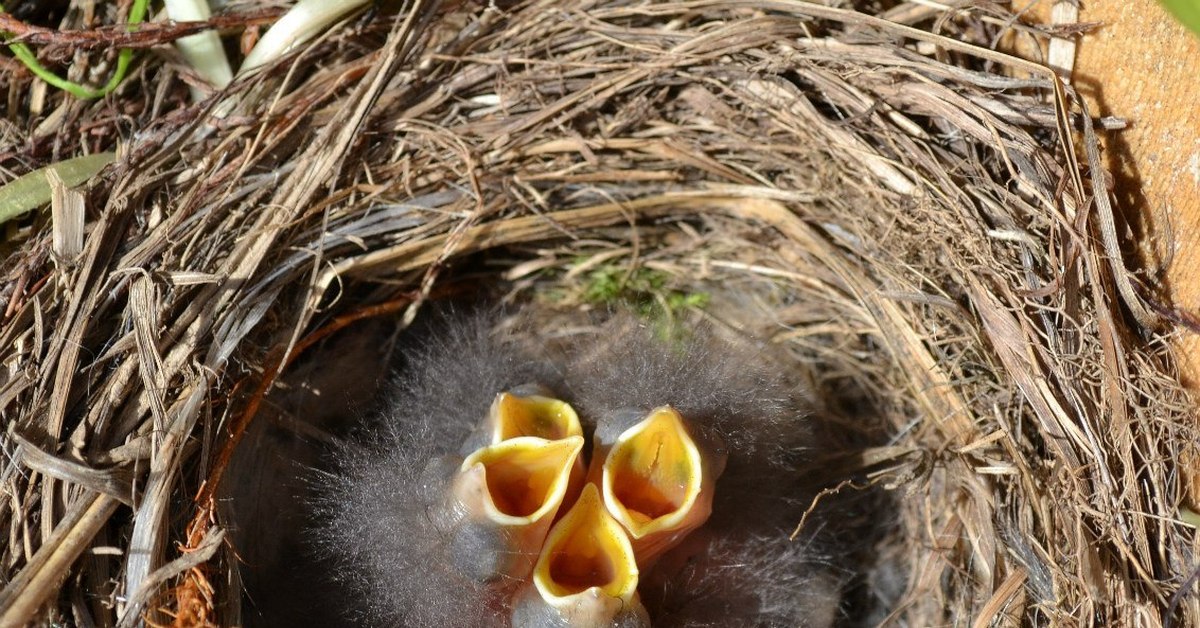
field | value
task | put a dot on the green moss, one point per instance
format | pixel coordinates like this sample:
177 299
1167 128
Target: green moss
647 292
611 284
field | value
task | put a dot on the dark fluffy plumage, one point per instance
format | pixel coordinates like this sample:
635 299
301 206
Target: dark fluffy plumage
379 505
737 570
746 579
731 390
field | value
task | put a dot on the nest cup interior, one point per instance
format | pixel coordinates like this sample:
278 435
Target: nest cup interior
900 216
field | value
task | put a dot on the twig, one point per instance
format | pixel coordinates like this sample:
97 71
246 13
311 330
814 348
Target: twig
147 36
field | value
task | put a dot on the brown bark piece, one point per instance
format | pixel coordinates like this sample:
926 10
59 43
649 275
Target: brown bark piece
1142 65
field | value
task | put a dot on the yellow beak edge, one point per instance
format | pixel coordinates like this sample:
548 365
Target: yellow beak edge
658 482
586 575
512 491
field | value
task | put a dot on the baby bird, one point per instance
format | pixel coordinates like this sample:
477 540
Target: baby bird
404 516
740 568
470 502
587 574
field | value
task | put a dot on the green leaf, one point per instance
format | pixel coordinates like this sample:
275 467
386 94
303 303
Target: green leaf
1186 11
32 190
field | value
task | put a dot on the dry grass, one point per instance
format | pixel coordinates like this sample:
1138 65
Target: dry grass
906 211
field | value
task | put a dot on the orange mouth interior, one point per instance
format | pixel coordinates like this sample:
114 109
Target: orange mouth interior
525 475
654 470
645 494
581 567
542 417
587 549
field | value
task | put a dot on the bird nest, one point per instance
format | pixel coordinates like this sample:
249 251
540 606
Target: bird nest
914 219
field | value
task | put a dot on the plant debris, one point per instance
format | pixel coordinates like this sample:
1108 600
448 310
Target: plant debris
914 216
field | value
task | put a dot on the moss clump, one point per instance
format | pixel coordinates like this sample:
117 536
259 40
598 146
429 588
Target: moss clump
646 291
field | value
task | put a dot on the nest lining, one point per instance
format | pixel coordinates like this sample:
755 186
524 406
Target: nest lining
913 203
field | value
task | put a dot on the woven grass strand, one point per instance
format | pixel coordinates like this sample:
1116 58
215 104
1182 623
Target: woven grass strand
898 208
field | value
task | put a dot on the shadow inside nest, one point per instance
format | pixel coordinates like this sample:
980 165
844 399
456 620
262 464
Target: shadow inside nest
269 498
304 532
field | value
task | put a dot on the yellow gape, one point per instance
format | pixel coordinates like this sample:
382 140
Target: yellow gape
586 574
503 500
658 483
512 416
516 416
521 480
586 549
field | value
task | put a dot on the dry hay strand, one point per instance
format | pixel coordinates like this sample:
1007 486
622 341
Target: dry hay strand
904 206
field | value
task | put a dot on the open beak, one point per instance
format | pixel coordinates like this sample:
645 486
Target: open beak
515 416
658 481
512 416
586 575
510 493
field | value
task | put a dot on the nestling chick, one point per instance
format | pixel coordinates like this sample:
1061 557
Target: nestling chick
692 487
387 523
740 568
587 574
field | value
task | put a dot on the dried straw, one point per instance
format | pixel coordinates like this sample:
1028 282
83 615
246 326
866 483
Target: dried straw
900 204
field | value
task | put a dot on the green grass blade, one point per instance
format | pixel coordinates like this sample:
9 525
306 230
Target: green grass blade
25 54
1186 11
32 190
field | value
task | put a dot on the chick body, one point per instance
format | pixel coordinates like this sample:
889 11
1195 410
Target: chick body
417 566
741 568
385 524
